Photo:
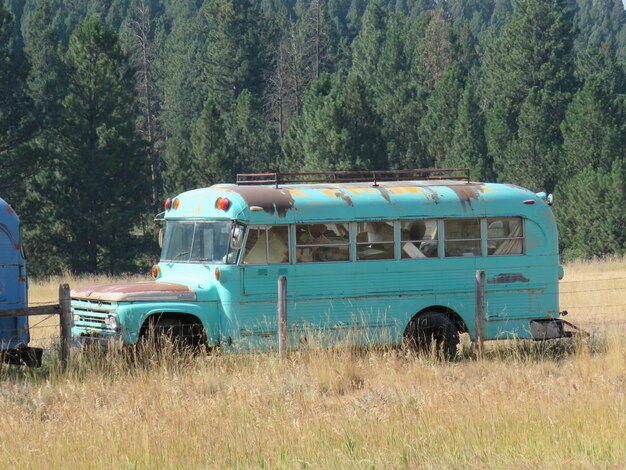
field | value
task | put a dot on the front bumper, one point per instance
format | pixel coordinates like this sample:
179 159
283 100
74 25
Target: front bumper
96 341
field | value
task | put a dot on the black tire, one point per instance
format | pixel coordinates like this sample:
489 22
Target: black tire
431 327
173 332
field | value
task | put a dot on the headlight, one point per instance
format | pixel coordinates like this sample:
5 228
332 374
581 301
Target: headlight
113 322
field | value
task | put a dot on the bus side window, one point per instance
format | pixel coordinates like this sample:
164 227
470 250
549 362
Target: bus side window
462 237
419 238
267 245
322 242
256 246
374 240
278 244
505 236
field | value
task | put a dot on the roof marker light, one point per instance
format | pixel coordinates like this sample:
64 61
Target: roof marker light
222 203
168 204
176 203
529 202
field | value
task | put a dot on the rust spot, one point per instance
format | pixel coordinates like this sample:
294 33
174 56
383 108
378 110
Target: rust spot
433 194
298 193
345 197
505 278
466 193
383 192
335 192
134 291
271 200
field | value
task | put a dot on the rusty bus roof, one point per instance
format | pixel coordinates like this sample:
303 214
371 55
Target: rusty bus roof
267 204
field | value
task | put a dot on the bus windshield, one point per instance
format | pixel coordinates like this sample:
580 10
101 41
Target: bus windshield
198 242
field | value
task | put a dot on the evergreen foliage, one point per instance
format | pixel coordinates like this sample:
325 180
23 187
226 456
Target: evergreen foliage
106 108
18 124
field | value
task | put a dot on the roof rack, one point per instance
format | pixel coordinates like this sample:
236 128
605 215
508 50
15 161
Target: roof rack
462 174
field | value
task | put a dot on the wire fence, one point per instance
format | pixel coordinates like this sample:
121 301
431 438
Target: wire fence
598 313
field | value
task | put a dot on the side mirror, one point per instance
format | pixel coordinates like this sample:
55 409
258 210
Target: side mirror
160 238
236 237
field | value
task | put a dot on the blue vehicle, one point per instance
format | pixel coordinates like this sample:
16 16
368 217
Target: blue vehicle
390 256
14 332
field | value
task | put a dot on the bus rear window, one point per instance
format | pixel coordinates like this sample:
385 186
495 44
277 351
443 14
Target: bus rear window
462 237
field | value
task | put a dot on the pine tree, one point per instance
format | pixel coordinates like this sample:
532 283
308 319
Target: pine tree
17 121
384 54
528 74
533 156
593 129
590 212
438 124
252 140
47 87
143 28
211 161
101 177
238 48
230 141
182 91
436 49
338 129
468 148
367 47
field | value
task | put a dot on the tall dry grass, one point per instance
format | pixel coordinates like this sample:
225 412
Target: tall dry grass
523 405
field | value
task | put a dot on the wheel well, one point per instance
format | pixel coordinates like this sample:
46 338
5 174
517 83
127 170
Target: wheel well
185 318
454 317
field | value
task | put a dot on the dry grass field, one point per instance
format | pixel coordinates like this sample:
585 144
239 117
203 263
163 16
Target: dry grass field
523 405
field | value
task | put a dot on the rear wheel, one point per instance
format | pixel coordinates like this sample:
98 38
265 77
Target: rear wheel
433 331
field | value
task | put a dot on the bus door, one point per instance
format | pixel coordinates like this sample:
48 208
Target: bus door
266 257
13 294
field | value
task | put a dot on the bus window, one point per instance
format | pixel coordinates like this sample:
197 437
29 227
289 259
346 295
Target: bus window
278 244
256 246
505 236
374 240
322 242
267 245
198 242
419 238
462 237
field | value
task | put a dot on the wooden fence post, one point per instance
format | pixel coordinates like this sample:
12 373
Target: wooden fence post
282 316
65 320
480 310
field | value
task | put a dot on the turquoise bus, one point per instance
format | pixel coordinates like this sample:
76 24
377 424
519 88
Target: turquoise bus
385 256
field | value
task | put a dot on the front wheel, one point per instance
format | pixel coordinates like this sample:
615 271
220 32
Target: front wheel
432 331
172 332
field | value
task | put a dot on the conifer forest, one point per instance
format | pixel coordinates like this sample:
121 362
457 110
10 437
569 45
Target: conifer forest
107 107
